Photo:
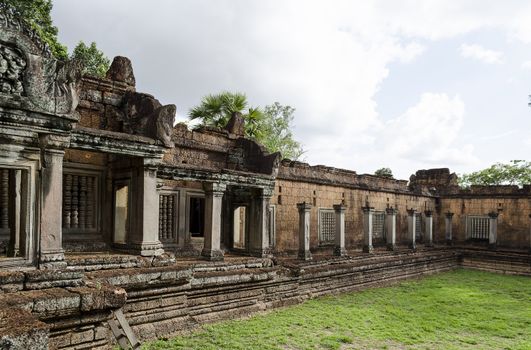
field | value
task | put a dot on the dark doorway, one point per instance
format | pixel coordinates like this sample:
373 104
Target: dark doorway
197 217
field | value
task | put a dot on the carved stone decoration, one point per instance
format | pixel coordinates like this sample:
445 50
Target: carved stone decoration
121 70
31 79
12 64
145 115
236 124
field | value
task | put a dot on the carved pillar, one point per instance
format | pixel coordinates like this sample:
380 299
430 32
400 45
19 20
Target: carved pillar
493 230
429 228
304 231
391 228
259 236
213 203
51 234
448 227
339 249
144 237
530 233
411 226
367 229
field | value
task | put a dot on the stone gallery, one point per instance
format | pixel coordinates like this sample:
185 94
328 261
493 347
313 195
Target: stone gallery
117 226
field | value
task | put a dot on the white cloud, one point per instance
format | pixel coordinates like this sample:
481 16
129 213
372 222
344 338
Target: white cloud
427 132
526 65
481 54
326 60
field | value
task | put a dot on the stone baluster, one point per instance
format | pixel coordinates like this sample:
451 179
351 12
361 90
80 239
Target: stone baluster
4 198
412 227
339 249
74 219
367 229
82 201
304 231
89 210
170 212
391 228
429 228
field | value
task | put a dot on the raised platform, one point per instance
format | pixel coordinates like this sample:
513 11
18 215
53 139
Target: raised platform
162 296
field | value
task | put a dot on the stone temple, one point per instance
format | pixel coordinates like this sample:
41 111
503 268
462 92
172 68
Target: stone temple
110 213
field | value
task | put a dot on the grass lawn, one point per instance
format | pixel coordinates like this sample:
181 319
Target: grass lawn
462 309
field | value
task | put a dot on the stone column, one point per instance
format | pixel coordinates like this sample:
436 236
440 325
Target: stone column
259 235
144 234
390 222
213 202
411 226
493 230
367 229
339 249
448 227
429 228
51 213
304 231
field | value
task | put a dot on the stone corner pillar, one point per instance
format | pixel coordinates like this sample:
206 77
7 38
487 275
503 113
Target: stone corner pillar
493 230
339 244
429 228
529 233
144 239
51 213
390 222
304 231
259 235
367 229
412 228
448 227
213 201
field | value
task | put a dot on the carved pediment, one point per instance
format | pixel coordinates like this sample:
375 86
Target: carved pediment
30 78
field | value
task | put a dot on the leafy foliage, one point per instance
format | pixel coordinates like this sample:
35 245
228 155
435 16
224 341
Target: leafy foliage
277 135
270 126
38 14
516 172
94 61
384 172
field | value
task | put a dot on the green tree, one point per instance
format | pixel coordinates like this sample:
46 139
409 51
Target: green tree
94 61
384 172
216 111
270 126
516 172
276 131
37 13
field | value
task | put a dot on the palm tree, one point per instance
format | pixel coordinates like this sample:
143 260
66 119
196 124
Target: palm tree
216 110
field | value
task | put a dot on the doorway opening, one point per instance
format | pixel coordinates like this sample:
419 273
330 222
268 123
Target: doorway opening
239 231
13 213
121 213
196 217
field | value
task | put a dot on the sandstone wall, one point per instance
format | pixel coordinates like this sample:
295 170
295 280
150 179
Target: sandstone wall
512 204
323 187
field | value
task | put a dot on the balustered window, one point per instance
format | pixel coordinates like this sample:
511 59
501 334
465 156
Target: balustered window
477 227
327 226
167 217
418 226
80 198
378 225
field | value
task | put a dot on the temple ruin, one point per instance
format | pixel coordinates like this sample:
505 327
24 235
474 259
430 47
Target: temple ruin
105 205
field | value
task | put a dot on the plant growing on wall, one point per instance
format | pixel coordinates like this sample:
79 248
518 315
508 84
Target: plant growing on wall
37 13
516 172
270 126
384 172
94 61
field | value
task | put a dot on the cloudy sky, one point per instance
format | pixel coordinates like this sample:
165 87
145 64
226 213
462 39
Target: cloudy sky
401 84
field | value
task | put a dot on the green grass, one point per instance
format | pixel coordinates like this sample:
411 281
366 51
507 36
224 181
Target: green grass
462 309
